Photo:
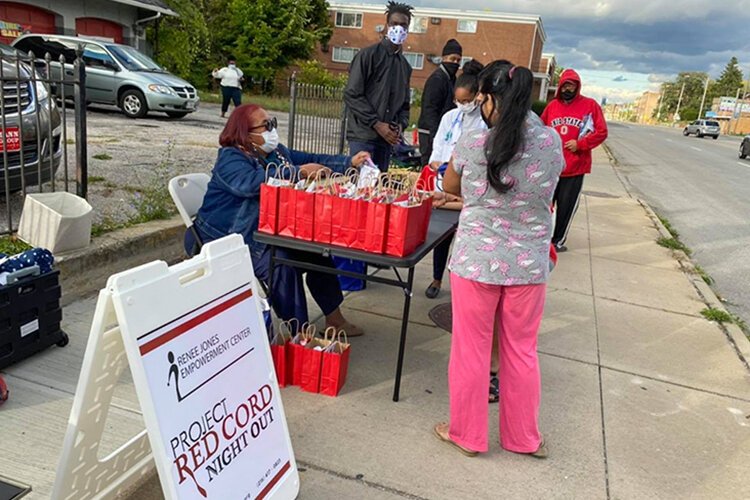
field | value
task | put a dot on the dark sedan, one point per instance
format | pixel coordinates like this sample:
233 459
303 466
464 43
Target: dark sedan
745 147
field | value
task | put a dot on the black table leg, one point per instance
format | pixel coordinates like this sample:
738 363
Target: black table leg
404 328
271 262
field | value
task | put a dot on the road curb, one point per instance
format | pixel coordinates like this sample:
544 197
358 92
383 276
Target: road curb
85 272
734 333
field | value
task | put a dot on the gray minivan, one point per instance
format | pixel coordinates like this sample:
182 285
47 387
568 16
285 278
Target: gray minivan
117 74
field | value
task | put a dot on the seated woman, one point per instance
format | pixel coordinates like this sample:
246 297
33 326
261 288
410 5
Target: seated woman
250 146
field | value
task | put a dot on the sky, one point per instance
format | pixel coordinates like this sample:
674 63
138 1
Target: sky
622 48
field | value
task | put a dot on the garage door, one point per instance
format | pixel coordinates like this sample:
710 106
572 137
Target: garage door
15 18
99 28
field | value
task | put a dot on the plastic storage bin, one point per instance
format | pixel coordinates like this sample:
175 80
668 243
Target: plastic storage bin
58 221
30 317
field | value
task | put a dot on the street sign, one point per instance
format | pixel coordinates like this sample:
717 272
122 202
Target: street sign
198 351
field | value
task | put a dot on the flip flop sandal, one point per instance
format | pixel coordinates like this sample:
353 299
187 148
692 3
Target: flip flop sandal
494 388
441 432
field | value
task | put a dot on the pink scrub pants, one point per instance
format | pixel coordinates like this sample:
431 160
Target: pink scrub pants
518 312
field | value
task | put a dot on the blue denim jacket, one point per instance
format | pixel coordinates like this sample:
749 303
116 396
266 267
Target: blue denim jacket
232 201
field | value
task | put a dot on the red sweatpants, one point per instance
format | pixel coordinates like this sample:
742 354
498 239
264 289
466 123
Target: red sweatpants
518 311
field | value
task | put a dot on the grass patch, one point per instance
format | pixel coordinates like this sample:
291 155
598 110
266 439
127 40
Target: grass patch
721 316
102 156
69 141
93 179
107 225
669 227
11 245
269 102
704 275
674 244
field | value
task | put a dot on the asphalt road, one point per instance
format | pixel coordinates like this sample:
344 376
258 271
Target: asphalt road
703 188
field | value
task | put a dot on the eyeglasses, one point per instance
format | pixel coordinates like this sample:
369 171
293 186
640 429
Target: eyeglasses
269 124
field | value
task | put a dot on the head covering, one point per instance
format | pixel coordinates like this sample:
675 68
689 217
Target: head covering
568 75
452 47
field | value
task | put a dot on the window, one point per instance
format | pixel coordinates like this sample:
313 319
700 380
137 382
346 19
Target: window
348 20
467 26
132 59
344 54
418 25
97 57
415 59
712 124
465 59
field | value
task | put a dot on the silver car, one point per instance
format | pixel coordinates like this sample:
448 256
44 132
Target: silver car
28 111
703 127
117 74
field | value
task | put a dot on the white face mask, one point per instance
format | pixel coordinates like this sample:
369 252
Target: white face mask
467 108
271 141
397 35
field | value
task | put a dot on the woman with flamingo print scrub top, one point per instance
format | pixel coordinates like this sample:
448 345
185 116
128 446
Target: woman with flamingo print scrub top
500 262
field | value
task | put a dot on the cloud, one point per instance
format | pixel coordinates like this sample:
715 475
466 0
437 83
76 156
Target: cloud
619 78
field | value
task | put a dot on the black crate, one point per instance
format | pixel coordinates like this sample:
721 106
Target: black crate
30 317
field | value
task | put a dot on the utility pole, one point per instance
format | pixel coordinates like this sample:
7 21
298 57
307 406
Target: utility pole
679 102
661 101
735 116
703 100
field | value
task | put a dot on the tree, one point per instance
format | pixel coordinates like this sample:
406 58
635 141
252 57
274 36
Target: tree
556 76
691 99
729 81
183 41
268 35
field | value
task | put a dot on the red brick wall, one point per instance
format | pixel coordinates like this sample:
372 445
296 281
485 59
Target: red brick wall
493 40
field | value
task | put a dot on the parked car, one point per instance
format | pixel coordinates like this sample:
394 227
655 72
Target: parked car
117 74
703 127
24 101
745 147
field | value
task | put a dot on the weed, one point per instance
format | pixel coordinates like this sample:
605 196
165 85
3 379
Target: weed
669 227
102 156
152 201
93 179
721 316
674 244
704 275
108 224
11 245
70 141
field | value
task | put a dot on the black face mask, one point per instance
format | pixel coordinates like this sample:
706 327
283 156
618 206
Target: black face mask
568 95
487 119
451 68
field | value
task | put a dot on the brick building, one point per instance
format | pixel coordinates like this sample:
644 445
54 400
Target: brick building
484 36
645 106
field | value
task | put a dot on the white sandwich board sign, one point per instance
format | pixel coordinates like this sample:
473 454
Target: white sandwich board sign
197 347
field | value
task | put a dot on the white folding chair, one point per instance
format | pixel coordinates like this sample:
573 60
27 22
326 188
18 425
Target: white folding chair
187 192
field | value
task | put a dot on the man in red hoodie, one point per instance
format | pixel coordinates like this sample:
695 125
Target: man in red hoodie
580 122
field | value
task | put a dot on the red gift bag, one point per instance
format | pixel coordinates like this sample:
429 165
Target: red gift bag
295 353
268 221
358 224
305 221
406 228
376 226
287 211
323 218
280 346
335 366
312 363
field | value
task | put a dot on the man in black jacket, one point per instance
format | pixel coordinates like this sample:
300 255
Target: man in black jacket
437 97
377 95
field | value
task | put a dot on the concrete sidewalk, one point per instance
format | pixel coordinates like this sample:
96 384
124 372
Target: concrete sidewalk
642 397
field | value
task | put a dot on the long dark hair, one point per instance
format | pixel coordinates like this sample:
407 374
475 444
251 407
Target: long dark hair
469 78
509 88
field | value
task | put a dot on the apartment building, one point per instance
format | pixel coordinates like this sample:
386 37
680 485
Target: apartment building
485 36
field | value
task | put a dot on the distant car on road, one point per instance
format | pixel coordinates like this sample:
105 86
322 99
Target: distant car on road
745 147
116 74
703 127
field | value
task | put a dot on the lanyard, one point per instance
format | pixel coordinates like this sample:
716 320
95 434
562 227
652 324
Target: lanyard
459 119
